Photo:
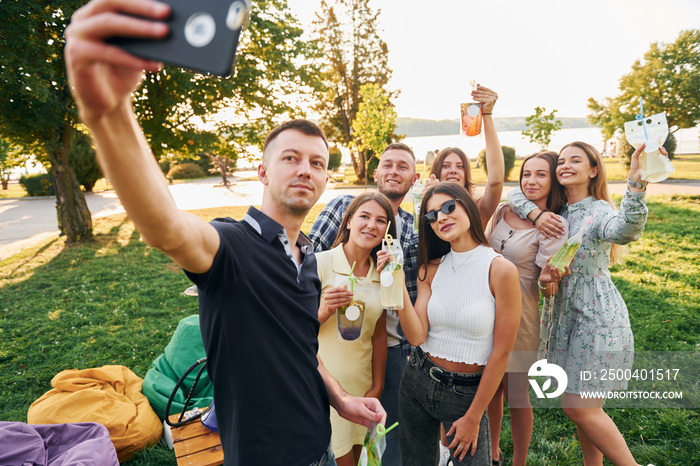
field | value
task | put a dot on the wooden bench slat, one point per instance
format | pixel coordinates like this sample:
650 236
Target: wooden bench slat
212 457
196 445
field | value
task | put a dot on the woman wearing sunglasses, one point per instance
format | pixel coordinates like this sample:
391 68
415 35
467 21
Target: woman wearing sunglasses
521 243
463 324
452 164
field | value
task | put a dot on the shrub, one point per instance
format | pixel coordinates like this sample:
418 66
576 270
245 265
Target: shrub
508 157
164 165
334 158
186 171
38 185
625 150
83 161
201 160
371 166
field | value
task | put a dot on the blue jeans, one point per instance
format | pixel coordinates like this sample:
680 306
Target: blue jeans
395 364
328 459
430 395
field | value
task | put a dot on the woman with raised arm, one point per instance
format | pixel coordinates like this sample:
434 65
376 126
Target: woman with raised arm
357 364
521 243
452 164
590 327
463 324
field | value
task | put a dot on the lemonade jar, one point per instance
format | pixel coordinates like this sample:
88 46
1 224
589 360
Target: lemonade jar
391 277
351 315
652 131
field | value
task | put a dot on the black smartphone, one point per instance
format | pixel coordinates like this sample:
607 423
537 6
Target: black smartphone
203 36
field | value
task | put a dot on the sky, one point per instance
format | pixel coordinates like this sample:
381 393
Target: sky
549 53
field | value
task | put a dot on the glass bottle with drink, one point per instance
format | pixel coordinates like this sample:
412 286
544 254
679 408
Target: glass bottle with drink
391 277
568 251
471 118
351 315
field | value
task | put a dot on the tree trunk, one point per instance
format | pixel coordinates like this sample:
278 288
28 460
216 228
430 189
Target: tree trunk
358 164
5 184
74 219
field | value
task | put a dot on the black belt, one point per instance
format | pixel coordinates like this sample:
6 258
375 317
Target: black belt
443 375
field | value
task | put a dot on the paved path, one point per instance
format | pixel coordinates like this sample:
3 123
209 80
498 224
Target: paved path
24 222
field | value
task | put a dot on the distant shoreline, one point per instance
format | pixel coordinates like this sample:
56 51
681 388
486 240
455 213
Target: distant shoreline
418 127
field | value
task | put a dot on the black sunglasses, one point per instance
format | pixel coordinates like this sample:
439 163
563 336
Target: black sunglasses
446 208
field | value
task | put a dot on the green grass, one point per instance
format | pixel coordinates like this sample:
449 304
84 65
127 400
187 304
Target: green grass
113 300
13 191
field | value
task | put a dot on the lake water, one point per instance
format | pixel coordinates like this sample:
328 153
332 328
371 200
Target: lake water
687 141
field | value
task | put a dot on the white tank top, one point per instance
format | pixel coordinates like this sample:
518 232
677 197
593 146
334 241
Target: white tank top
461 309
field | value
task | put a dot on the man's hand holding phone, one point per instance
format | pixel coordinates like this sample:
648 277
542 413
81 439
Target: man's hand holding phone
103 76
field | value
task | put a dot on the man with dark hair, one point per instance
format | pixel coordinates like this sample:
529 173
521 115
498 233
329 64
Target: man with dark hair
304 126
259 291
394 175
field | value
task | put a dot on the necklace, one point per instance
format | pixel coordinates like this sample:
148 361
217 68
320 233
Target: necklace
465 256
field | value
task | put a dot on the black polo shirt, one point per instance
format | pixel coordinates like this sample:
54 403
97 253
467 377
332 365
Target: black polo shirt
259 320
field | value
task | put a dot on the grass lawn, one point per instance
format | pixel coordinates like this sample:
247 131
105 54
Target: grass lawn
114 300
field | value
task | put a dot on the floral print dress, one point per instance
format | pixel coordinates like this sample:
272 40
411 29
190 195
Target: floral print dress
588 328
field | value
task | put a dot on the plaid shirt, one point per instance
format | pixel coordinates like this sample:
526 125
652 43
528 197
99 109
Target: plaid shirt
326 226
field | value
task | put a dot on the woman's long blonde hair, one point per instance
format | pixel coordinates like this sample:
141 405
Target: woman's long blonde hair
598 188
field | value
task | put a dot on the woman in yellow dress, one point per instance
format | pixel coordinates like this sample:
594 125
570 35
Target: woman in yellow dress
356 359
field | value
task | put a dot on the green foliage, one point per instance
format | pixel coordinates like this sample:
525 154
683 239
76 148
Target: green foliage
10 157
540 127
164 165
350 54
374 123
84 162
241 108
624 149
508 158
668 80
371 166
36 107
201 160
334 158
38 185
184 171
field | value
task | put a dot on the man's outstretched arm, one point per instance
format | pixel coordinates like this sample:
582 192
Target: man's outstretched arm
102 78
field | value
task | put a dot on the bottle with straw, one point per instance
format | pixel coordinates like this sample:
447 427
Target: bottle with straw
374 445
391 277
568 251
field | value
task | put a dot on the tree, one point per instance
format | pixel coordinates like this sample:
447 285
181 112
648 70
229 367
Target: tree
668 80
179 110
353 54
187 112
83 161
508 158
10 157
36 106
374 123
540 127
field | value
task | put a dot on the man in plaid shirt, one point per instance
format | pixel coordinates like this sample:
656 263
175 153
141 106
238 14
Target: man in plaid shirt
394 175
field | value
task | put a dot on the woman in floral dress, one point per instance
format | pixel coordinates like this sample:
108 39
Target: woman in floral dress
590 327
